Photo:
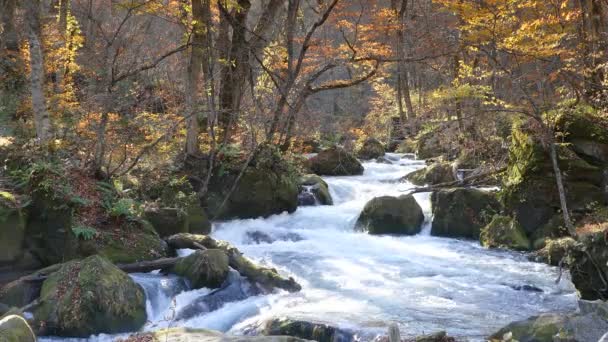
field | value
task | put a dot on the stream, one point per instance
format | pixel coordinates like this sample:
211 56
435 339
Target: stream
361 282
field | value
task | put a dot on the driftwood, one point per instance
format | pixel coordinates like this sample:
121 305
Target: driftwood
149 266
468 181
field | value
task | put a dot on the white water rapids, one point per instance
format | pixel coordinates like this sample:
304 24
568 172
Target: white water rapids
362 282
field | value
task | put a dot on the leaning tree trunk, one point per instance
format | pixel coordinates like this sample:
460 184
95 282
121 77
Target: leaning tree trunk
560 188
42 119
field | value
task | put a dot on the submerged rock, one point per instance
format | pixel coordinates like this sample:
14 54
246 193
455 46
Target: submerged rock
318 187
504 232
319 332
208 268
462 212
335 161
391 215
187 334
89 297
15 329
371 149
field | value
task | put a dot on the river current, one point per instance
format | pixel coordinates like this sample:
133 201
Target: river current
361 282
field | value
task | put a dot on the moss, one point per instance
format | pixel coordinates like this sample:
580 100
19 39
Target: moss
554 251
436 173
504 232
88 297
391 215
15 329
371 149
207 268
136 241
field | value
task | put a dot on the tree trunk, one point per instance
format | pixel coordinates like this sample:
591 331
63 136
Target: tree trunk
560 188
42 119
458 103
9 40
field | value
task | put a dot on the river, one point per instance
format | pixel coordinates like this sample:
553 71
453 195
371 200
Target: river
362 282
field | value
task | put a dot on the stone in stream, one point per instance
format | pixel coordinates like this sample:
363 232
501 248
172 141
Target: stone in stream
371 149
14 328
208 268
436 173
316 331
335 161
87 297
236 288
202 335
462 212
317 187
391 215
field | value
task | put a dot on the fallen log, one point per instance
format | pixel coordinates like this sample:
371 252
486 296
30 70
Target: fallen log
149 266
468 181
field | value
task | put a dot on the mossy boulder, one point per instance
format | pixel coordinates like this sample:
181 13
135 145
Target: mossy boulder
462 212
316 331
208 268
318 187
391 215
12 229
167 221
429 145
14 328
504 232
436 173
588 264
335 161
267 279
586 130
529 190
198 221
371 149
554 251
268 186
580 327
406 146
88 297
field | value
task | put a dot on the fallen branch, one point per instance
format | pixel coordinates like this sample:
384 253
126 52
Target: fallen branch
468 181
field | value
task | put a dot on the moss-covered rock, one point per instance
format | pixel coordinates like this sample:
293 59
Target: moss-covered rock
406 146
268 186
588 264
462 212
12 229
555 250
529 190
436 173
198 221
371 149
335 161
267 279
316 331
14 328
318 187
88 297
553 327
167 221
504 232
391 215
587 131
429 145
135 241
208 268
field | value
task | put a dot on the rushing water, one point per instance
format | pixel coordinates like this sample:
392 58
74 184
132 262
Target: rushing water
362 282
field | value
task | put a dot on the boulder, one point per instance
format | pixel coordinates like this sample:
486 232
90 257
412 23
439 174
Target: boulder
462 212
555 250
335 161
587 131
504 232
198 221
318 187
88 297
12 229
187 334
208 268
391 215
580 327
436 173
429 145
406 146
268 186
371 149
14 328
267 279
167 221
529 190
587 263
316 331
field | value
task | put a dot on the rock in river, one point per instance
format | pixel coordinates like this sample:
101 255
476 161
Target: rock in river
391 215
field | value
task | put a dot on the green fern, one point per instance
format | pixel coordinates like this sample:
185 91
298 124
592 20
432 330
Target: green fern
84 232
